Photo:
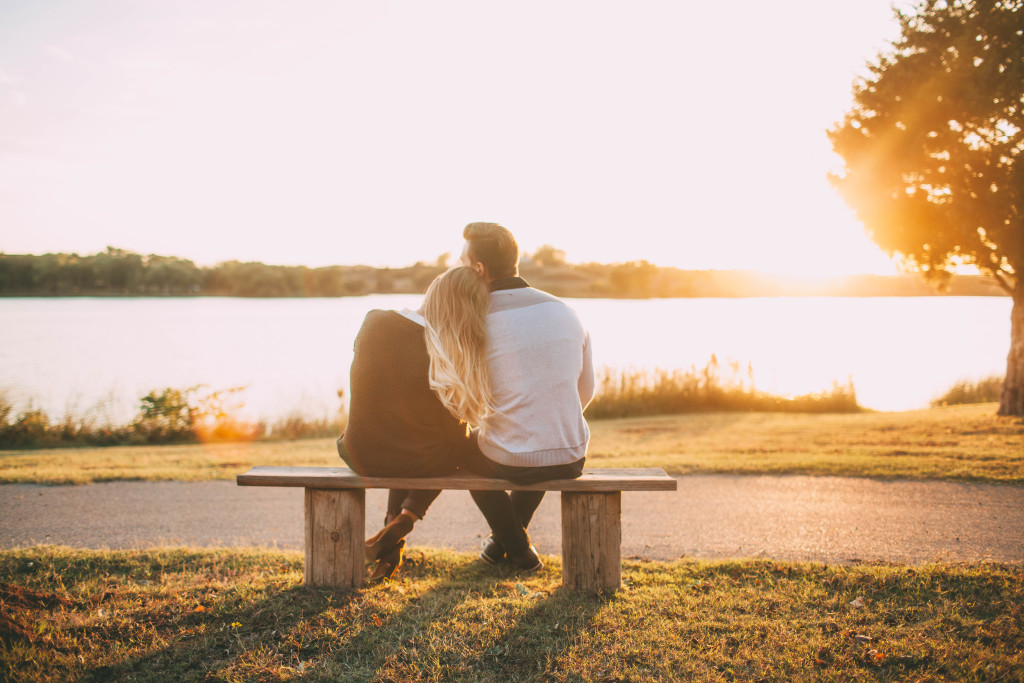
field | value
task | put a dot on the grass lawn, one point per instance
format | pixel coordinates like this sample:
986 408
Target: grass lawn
243 615
181 614
967 442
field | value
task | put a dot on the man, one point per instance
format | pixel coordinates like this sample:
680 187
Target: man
542 377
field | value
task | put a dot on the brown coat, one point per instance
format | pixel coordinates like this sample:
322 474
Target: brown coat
397 426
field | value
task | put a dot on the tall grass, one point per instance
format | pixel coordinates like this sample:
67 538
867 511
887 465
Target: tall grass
198 415
985 390
195 415
166 416
715 388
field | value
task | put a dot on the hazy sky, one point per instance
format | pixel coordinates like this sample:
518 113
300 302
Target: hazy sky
327 132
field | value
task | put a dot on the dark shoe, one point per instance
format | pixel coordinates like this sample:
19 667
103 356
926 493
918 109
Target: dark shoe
493 552
526 562
388 563
386 538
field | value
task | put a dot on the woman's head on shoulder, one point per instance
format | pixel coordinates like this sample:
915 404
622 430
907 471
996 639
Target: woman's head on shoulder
455 315
454 293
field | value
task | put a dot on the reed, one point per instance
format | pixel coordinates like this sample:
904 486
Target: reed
715 388
199 415
298 426
986 390
192 415
166 416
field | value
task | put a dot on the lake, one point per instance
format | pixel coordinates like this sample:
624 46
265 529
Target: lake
100 355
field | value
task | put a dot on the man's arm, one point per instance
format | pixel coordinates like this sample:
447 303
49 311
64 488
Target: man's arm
587 381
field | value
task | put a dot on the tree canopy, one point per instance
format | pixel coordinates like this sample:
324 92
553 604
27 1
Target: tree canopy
932 144
932 149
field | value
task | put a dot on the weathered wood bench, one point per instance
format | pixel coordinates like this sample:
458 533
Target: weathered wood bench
336 511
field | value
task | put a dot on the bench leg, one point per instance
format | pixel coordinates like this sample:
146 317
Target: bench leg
591 541
334 537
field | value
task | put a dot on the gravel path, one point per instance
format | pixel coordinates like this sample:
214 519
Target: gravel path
827 519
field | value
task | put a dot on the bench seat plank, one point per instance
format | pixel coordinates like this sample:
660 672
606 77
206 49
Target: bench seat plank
593 479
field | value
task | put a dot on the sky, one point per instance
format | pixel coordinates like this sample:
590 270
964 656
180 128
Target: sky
327 132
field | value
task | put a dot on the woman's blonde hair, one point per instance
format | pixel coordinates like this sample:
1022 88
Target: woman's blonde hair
455 311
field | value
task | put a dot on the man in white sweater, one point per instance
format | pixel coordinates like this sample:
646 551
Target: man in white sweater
542 377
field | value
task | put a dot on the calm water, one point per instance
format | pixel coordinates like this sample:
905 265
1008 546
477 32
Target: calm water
292 355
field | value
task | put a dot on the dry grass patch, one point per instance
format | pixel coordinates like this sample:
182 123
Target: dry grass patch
968 442
185 462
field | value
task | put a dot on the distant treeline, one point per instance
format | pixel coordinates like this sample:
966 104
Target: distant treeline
116 272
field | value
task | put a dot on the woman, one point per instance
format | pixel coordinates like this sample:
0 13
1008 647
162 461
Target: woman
418 379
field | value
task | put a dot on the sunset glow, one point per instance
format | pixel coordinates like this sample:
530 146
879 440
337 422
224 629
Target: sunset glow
326 133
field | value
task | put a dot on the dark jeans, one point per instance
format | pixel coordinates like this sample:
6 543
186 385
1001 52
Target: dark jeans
475 461
509 513
415 501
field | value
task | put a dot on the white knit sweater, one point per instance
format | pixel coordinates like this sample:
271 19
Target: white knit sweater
542 377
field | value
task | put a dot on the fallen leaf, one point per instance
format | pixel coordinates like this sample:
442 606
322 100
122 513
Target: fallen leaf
876 655
199 608
857 602
377 621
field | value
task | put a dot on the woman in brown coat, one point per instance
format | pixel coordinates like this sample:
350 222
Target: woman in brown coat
418 380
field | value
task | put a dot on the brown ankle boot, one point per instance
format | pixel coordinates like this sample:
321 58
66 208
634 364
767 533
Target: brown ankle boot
388 563
388 537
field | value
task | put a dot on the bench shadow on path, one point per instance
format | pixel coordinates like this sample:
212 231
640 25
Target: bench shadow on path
556 616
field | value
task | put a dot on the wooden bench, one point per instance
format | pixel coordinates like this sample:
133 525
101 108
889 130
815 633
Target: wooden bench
336 511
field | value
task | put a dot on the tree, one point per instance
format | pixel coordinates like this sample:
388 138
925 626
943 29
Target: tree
547 255
932 149
635 278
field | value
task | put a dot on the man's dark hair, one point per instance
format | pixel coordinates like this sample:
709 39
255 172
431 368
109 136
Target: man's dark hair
495 247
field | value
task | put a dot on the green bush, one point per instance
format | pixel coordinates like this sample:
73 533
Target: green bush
166 416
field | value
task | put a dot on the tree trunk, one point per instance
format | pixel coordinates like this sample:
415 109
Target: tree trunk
1012 401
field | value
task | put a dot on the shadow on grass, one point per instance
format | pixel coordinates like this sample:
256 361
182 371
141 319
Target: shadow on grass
210 642
542 635
184 615
474 621
442 618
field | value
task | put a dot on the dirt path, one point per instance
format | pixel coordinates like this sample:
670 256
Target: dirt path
827 519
